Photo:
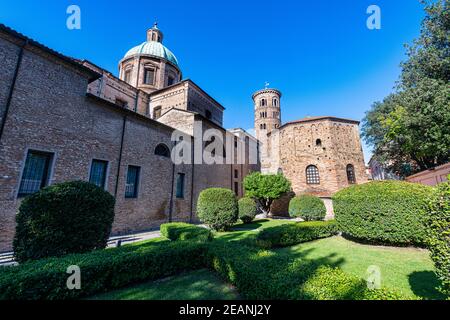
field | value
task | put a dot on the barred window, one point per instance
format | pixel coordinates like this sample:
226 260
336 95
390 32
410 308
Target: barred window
36 173
131 187
351 174
98 173
312 175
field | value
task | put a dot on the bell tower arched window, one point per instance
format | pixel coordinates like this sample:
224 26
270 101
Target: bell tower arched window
162 150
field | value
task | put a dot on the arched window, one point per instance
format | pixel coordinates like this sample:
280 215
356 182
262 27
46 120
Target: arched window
351 174
162 150
318 143
274 102
263 103
312 175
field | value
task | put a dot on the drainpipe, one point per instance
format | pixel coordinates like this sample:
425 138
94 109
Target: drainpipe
172 186
119 164
11 90
192 185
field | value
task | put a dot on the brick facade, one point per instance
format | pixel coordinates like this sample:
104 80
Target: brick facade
69 108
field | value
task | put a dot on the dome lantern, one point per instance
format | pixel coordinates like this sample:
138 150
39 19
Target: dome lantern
154 34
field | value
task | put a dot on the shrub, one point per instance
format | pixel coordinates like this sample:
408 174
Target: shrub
101 270
287 235
388 212
247 210
329 283
71 217
265 188
218 208
438 228
184 231
307 207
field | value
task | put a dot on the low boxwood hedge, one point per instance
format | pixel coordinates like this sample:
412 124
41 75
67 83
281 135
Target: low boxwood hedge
438 237
101 270
308 207
384 212
260 274
184 231
287 235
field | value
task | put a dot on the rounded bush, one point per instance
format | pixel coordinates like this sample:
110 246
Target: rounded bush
307 207
385 212
218 208
71 217
247 210
438 237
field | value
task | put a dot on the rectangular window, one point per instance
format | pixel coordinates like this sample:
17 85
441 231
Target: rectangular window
131 188
180 185
149 76
36 173
171 81
127 76
236 188
98 173
236 174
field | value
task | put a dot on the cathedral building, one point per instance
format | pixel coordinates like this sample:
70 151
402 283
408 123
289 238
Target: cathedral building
64 119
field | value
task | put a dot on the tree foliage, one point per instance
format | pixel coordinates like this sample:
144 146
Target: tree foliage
410 129
265 188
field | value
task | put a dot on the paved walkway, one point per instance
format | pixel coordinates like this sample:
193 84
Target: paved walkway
7 259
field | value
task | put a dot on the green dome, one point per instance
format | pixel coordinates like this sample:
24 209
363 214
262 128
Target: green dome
153 48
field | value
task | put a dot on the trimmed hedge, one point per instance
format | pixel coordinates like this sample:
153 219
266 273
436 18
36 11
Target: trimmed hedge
266 275
287 235
307 207
438 240
218 208
71 217
387 212
101 270
247 210
184 231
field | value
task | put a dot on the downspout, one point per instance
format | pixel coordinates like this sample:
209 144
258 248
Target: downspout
192 185
172 186
119 164
11 90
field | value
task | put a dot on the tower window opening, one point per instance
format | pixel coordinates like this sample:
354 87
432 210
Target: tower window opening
351 174
274 102
318 143
263 103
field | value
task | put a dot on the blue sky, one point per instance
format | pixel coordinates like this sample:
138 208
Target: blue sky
319 53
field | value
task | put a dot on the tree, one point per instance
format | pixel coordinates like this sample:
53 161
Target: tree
264 189
410 129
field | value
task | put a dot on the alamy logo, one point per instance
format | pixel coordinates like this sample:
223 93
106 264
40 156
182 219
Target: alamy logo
374 20
74 280
73 22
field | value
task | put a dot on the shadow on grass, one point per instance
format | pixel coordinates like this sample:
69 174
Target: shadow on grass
424 284
270 275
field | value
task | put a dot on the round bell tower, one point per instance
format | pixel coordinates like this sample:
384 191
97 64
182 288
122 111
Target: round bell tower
267 119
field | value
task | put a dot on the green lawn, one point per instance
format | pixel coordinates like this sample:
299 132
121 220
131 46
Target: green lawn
409 270
197 285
